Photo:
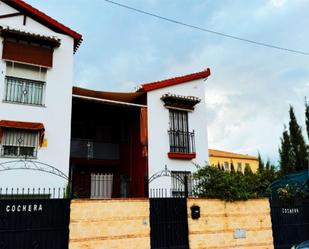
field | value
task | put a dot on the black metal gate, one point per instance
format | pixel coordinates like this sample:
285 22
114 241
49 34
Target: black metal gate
34 223
290 222
169 223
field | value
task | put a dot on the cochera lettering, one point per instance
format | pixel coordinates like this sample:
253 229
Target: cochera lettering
290 210
24 208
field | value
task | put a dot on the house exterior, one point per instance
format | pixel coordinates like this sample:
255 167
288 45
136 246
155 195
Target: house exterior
35 85
127 144
225 159
177 129
109 144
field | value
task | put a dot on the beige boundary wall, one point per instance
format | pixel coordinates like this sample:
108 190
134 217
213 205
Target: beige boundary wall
110 224
124 224
216 227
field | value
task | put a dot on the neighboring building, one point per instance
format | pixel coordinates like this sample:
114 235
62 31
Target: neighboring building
239 161
124 142
35 85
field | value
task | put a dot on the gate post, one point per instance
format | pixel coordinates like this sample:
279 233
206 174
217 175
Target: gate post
186 186
146 187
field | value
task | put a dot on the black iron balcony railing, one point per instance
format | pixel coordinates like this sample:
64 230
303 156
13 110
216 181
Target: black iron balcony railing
182 141
84 148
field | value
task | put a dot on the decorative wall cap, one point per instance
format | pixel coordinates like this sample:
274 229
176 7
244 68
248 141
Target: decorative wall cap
46 20
8 32
180 101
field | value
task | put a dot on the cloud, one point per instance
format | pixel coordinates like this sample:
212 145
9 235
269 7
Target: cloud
251 87
278 3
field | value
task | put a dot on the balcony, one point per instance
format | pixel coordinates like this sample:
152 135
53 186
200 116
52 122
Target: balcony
90 149
182 144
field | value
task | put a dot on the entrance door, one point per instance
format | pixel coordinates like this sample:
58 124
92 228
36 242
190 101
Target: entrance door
169 223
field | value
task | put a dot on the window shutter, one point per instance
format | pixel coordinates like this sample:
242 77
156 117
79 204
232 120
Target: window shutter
27 53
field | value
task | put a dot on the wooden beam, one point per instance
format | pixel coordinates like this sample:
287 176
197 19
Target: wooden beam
25 20
11 15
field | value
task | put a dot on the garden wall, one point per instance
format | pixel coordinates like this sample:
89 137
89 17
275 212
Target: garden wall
110 224
216 228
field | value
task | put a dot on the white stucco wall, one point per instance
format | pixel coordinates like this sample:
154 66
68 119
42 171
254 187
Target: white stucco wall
158 126
56 115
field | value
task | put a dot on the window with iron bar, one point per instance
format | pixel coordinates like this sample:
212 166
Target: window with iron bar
24 91
178 183
24 84
19 143
181 140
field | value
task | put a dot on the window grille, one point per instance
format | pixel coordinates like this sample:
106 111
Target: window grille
19 143
178 183
101 186
181 140
24 91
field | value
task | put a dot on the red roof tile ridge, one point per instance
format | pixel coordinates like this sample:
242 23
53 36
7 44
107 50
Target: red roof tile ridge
174 81
45 18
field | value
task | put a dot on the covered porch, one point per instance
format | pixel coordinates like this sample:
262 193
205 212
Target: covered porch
108 145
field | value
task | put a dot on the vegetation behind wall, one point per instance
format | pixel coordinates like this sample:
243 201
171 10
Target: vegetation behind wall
215 183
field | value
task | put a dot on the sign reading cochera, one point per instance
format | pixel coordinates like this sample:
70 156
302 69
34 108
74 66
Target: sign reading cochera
34 223
290 210
25 208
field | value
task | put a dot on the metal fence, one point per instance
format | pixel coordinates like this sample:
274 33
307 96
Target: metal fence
34 193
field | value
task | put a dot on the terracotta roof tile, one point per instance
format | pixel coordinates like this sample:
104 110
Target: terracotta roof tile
174 81
220 153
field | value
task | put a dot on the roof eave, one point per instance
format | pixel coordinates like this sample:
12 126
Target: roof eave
174 81
45 20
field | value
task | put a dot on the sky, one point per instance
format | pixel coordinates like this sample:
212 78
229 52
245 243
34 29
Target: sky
251 87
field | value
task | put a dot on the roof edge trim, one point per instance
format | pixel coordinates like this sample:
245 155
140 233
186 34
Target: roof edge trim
174 81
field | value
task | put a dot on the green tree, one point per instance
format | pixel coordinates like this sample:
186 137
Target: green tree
215 183
232 167
247 170
261 164
307 116
285 152
267 167
299 150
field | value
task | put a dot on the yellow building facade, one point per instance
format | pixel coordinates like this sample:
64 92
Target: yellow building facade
226 159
